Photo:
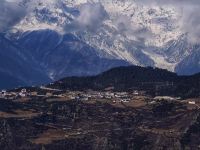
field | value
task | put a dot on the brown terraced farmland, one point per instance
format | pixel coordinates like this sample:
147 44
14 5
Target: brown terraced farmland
116 122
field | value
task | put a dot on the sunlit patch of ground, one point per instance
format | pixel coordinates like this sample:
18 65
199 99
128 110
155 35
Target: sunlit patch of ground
58 99
19 114
49 136
22 100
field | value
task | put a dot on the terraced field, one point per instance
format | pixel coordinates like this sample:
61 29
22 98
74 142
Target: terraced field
40 123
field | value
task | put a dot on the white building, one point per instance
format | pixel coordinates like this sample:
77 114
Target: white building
126 100
3 93
192 102
135 93
23 93
164 98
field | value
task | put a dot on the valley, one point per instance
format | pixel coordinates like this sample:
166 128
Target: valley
138 108
99 75
96 120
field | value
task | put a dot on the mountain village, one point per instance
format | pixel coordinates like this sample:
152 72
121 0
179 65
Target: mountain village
108 96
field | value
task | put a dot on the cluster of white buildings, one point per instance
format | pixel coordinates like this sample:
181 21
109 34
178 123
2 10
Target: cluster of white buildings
159 98
25 93
72 95
115 96
7 95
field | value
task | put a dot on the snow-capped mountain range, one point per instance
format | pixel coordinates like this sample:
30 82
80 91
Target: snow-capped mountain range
81 37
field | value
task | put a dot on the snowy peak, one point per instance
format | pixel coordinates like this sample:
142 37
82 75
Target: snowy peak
125 30
125 16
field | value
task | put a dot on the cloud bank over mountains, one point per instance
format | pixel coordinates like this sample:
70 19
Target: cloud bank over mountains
11 13
190 11
93 14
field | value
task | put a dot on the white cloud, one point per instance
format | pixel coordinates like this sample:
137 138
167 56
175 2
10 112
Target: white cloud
91 16
127 28
190 21
11 13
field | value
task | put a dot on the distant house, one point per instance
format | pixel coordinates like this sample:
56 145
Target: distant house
108 97
114 101
135 93
159 98
81 98
48 94
3 93
34 93
192 102
121 94
23 93
109 94
85 99
152 102
125 100
117 96
100 96
72 97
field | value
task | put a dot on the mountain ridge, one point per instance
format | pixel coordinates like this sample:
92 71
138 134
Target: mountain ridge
126 34
152 80
165 46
